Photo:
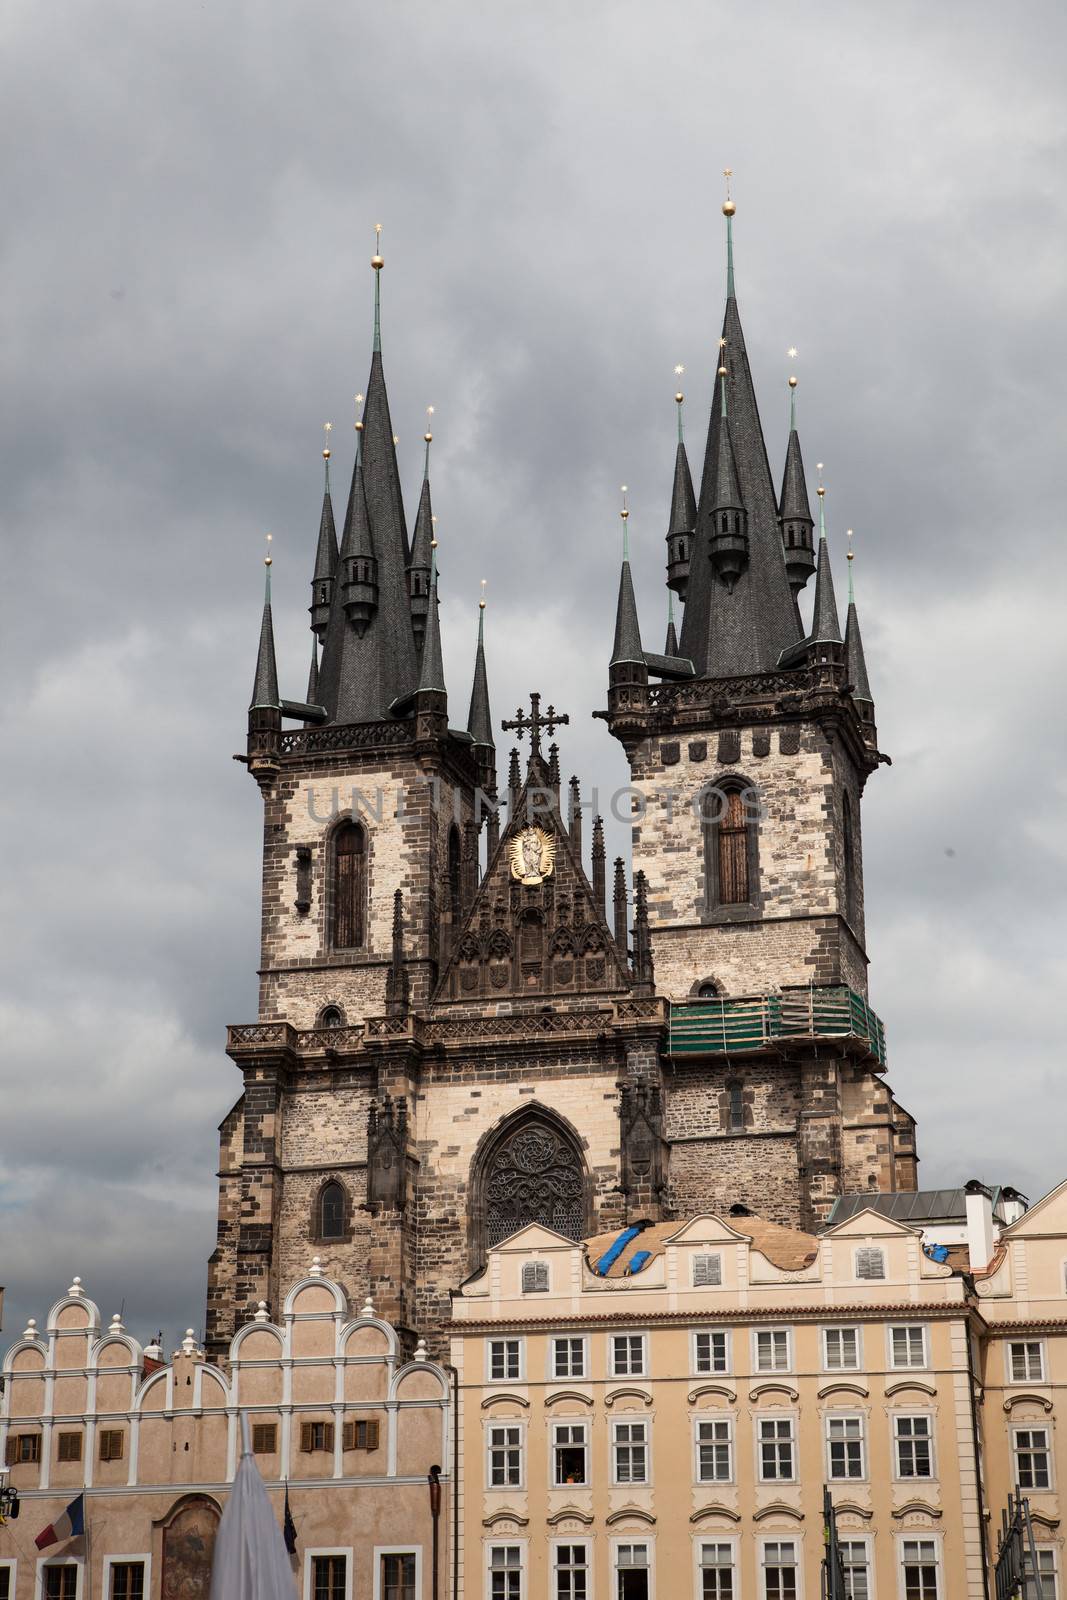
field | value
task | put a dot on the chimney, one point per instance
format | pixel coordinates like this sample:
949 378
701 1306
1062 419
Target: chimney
1013 1205
979 1225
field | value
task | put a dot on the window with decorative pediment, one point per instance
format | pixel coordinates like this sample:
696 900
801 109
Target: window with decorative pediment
532 1172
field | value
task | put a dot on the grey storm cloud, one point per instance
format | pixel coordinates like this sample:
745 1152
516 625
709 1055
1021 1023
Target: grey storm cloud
190 193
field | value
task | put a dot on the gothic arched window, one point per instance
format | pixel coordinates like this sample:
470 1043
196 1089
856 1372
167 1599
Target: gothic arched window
730 840
330 1218
349 887
533 1172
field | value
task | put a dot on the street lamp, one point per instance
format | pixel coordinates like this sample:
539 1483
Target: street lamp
9 1499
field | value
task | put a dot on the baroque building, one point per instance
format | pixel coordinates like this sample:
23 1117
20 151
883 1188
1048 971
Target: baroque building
464 1028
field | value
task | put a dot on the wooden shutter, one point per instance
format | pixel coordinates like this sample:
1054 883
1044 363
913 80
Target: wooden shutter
327 1436
372 1436
264 1438
70 1447
733 851
111 1444
307 1436
349 886
348 1436
9 1450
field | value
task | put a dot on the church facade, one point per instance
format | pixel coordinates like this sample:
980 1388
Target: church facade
466 1024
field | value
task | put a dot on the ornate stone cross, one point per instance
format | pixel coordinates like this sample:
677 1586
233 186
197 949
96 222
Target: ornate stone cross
535 723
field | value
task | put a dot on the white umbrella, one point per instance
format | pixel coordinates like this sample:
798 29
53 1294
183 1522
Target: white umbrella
251 1561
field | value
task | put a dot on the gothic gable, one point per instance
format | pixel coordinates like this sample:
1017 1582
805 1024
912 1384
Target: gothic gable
534 928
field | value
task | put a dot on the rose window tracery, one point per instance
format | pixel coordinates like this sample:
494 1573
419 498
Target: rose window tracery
534 1176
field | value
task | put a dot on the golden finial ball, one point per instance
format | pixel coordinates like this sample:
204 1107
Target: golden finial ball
481 605
722 372
679 397
792 383
377 262
433 544
268 561
428 437
326 455
624 513
820 491
358 426
851 554
728 208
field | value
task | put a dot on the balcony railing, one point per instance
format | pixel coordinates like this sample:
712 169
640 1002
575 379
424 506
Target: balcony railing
752 1022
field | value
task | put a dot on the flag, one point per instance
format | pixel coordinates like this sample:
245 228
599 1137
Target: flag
289 1526
67 1526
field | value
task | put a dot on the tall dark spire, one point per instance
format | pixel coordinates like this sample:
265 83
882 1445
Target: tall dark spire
671 646
744 629
480 718
432 674
265 688
793 509
627 646
419 565
682 525
854 657
325 551
825 627
369 661
313 675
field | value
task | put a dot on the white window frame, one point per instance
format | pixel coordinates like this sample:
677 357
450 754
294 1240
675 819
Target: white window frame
504 1422
931 1439
770 1372
922 1536
699 1541
710 1333
570 1377
489 1343
867 1249
613 1371
144 1558
776 1416
10 1565
561 1542
328 1550
841 1327
646 1442
847 1416
505 1544
863 1539
761 1564
1053 1572
705 1255
627 1540
907 1366
381 1550
1032 1427
730 1442
1012 1344
61 1561
569 1422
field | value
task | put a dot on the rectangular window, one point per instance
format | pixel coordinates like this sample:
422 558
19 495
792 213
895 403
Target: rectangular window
569 1453
919 1557
398 1575
841 1349
317 1436
60 1583
776 1449
1026 1361
772 1350
22 1448
568 1358
855 1558
631 1572
505 1572
907 1345
6 1587
844 1447
717 1572
572 1571
912 1437
630 1452
870 1262
707 1271
628 1355
505 1360
1043 1587
505 1457
779 1569
715 1451
111 1444
711 1351
69 1447
1031 1458
264 1438
362 1433
127 1580
328 1577
535 1277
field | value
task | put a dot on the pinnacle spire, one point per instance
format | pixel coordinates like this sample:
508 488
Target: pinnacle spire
683 519
794 510
627 646
326 552
432 675
480 718
855 660
312 695
671 646
421 548
265 688
825 627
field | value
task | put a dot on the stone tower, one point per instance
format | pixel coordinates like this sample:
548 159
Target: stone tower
750 743
461 1029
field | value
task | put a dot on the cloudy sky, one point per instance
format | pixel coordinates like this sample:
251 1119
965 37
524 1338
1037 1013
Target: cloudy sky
190 193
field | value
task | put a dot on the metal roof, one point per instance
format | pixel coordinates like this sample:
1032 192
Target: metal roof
925 1205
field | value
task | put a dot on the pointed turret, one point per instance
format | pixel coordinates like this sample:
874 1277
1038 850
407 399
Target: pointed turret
325 553
626 651
793 510
670 648
599 861
744 629
728 540
682 526
855 661
432 670
825 627
313 675
265 707
419 565
480 718
369 664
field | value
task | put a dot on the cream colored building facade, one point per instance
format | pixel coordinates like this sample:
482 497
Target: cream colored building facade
666 1430
334 1410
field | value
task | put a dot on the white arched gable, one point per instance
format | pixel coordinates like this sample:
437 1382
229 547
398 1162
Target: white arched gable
257 1327
38 1344
340 1299
162 1375
209 1371
392 1349
92 1327
133 1349
422 1368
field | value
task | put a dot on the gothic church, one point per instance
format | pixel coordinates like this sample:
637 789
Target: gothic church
462 1025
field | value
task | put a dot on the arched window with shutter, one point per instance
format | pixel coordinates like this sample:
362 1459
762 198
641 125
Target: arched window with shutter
349 887
731 834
